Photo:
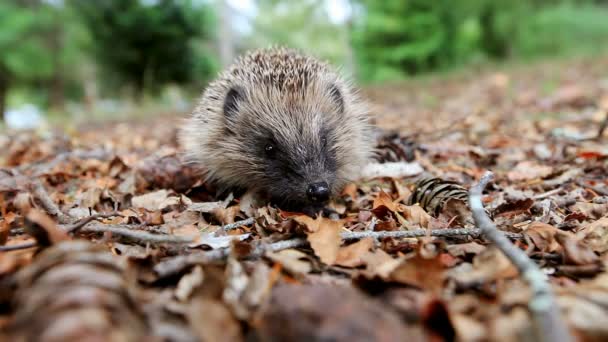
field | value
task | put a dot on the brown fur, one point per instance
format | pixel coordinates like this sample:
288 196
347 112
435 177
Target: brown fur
289 100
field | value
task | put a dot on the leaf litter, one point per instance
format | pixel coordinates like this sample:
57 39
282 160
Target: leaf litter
106 234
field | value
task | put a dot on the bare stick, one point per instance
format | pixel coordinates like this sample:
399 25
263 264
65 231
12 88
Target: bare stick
86 220
237 224
25 245
39 192
130 232
448 232
545 313
176 264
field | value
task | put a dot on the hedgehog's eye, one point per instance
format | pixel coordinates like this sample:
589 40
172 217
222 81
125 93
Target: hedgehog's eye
269 149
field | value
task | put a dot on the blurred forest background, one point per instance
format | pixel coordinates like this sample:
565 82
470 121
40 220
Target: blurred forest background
82 59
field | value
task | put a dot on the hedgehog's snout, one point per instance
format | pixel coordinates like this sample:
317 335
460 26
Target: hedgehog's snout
318 192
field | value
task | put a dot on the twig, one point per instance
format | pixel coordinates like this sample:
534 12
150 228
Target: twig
84 221
128 231
176 264
237 224
25 245
448 232
545 313
596 189
39 192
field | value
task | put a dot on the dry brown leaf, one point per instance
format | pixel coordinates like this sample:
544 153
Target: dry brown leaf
543 236
527 170
189 283
594 210
153 201
352 255
383 203
292 260
211 320
427 274
350 190
325 240
576 252
379 263
415 214
463 249
595 235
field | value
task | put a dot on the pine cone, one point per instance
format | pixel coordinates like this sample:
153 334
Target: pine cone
433 193
75 291
393 148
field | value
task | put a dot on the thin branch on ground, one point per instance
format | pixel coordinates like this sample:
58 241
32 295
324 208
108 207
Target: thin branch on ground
130 232
594 188
176 264
40 193
545 313
238 224
86 220
21 246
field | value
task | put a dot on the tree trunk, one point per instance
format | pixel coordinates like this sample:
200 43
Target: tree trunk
225 39
3 94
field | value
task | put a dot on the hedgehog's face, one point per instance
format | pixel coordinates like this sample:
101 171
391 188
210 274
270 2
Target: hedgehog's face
288 145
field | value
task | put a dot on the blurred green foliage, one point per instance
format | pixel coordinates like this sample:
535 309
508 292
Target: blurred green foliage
148 45
303 24
86 51
397 38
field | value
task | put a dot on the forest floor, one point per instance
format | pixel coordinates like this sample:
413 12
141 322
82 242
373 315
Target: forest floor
125 243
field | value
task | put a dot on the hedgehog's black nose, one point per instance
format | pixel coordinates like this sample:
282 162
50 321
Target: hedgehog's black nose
318 192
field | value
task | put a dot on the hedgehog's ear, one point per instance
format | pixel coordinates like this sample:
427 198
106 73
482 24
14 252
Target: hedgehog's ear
231 102
336 96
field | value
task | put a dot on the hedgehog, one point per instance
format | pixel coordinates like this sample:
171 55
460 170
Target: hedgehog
283 125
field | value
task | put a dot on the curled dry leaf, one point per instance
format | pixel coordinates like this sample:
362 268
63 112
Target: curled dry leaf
416 215
383 204
527 170
245 293
153 201
576 252
463 249
595 235
543 236
427 274
188 284
324 237
352 255
292 260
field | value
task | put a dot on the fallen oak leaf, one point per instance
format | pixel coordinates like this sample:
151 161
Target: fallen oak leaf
291 260
323 235
543 236
426 274
383 203
576 252
352 255
415 214
156 200
595 235
527 170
